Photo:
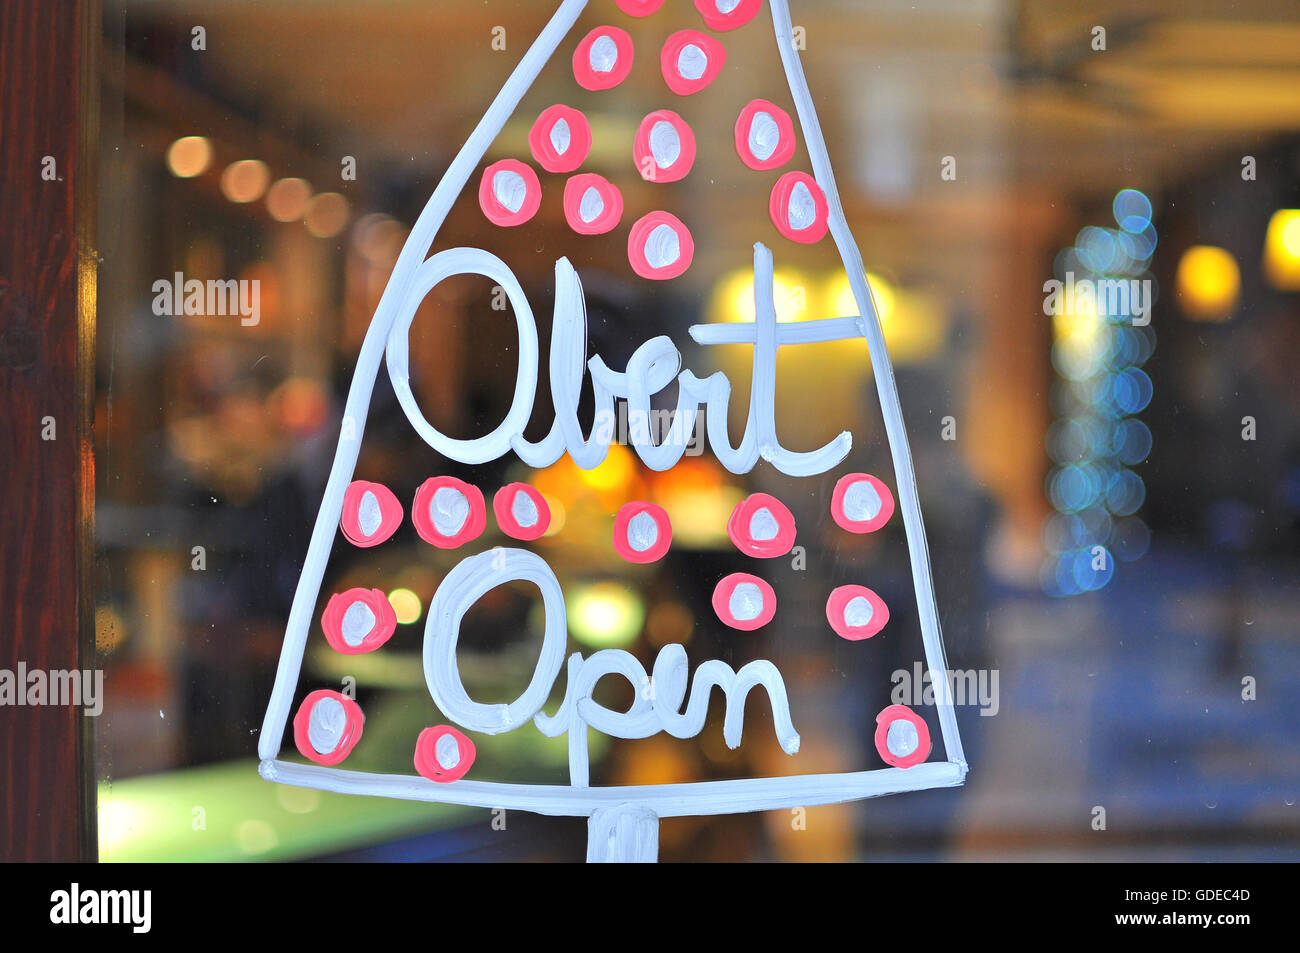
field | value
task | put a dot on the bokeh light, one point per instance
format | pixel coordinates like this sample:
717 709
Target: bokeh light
189 156
1208 282
327 214
245 180
605 615
406 604
1095 439
1282 250
287 199
1132 210
735 299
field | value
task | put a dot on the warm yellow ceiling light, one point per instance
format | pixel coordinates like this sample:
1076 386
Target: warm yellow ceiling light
1282 250
1208 283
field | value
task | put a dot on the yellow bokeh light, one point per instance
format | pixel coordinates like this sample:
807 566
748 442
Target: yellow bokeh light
189 156
605 615
406 605
1077 322
614 473
245 180
1282 250
327 215
287 199
734 300
843 304
1208 283
699 514
557 515
914 322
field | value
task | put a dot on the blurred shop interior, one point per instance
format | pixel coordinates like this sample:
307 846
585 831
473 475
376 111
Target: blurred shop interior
983 150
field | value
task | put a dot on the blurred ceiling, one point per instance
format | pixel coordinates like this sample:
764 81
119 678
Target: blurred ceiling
1036 117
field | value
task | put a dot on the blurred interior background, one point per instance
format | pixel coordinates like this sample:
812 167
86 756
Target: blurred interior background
983 149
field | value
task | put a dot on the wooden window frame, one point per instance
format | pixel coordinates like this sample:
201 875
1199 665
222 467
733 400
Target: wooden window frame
49 107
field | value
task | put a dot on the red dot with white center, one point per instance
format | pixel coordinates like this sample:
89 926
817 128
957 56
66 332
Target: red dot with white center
691 60
723 15
560 140
509 193
592 204
762 526
642 532
659 246
798 208
764 136
371 513
664 147
603 58
448 512
861 503
443 754
521 511
327 726
902 737
358 621
856 613
744 601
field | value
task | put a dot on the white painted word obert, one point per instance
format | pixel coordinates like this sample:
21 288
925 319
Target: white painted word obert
652 367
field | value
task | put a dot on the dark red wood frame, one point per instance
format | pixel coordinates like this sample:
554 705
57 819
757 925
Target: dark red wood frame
49 95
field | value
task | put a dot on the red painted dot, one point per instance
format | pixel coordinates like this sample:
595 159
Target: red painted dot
432 754
509 192
856 613
764 136
762 526
861 503
798 208
560 140
448 512
592 204
603 58
371 514
722 15
691 60
902 737
522 512
358 621
642 532
744 602
336 727
660 246
664 147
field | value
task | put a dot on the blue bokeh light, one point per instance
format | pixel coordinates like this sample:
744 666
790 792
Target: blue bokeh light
1132 210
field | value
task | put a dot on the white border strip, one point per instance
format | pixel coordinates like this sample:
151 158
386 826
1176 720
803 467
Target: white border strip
666 800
